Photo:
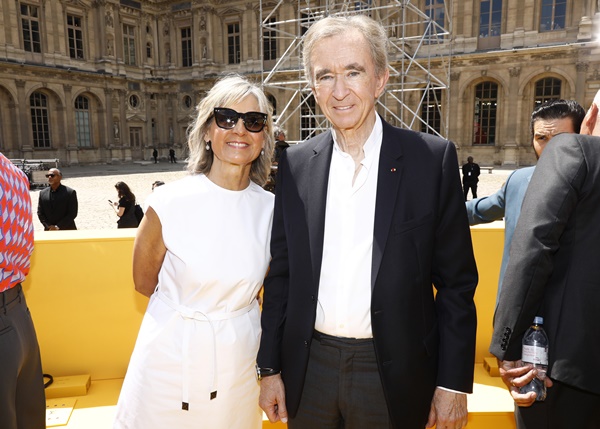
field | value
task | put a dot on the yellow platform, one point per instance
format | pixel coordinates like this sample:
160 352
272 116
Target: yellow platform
87 315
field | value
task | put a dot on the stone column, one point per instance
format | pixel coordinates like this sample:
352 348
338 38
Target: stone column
23 135
70 139
125 143
454 124
582 68
511 146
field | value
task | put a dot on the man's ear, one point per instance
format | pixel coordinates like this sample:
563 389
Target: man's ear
590 125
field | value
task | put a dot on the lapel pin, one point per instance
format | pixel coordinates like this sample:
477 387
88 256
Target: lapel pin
393 170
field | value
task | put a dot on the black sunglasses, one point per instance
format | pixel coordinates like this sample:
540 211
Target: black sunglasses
228 118
50 175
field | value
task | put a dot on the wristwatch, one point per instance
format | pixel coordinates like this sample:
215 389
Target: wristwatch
265 372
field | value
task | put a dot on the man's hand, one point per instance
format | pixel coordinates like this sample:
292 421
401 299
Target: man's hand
272 398
515 376
448 410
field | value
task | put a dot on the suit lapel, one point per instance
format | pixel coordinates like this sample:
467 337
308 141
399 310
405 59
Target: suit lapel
316 197
388 182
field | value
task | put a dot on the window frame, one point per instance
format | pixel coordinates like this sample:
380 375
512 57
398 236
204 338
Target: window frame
83 124
545 85
489 130
269 41
129 46
234 48
187 53
75 37
40 120
431 113
31 24
553 15
491 37
431 9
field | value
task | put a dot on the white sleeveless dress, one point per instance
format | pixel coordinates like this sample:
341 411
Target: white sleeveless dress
193 365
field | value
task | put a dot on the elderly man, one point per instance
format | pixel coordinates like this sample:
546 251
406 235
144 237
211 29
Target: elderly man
547 120
353 336
22 400
553 272
57 204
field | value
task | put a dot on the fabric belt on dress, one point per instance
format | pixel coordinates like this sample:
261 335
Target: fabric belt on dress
10 297
190 316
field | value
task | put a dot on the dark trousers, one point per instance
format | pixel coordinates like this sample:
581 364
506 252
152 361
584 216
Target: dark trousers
22 398
342 388
472 187
565 407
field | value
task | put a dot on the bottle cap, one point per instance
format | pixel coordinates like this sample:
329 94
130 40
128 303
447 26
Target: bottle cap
538 320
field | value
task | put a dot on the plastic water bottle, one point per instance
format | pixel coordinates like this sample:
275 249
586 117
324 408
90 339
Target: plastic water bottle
535 352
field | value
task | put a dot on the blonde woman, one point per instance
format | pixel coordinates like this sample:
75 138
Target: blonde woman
201 254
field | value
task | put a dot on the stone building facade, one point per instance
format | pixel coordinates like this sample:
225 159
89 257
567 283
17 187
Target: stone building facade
103 81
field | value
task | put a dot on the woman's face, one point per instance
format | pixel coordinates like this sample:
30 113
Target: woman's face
236 146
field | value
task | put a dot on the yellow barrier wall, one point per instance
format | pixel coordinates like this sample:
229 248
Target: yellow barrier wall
87 314
80 293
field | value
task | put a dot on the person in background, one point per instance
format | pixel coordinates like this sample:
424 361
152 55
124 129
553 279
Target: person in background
157 183
280 144
155 155
57 204
553 272
22 399
547 120
125 207
470 172
353 336
201 254
172 156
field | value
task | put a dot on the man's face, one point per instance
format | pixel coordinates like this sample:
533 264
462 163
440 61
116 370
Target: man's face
345 85
544 130
53 176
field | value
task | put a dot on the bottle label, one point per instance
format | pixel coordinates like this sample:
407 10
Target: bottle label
535 355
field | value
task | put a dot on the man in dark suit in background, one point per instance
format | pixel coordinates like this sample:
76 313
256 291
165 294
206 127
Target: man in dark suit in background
470 172
554 272
367 217
57 205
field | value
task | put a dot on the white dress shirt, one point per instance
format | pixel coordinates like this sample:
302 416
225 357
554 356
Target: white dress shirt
344 307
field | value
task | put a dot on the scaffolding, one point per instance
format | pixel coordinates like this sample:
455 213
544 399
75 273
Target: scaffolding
417 39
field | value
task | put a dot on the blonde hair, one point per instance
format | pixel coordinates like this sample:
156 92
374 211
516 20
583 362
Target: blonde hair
227 91
372 31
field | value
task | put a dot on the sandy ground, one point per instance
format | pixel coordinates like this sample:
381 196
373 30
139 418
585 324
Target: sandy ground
95 185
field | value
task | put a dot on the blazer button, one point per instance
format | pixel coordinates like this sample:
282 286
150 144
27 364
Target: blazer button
305 343
312 298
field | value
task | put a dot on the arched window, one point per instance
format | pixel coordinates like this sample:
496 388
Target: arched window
547 89
40 121
148 50
83 127
431 117
484 115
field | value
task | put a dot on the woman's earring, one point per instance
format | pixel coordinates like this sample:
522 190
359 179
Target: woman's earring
207 146
262 152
